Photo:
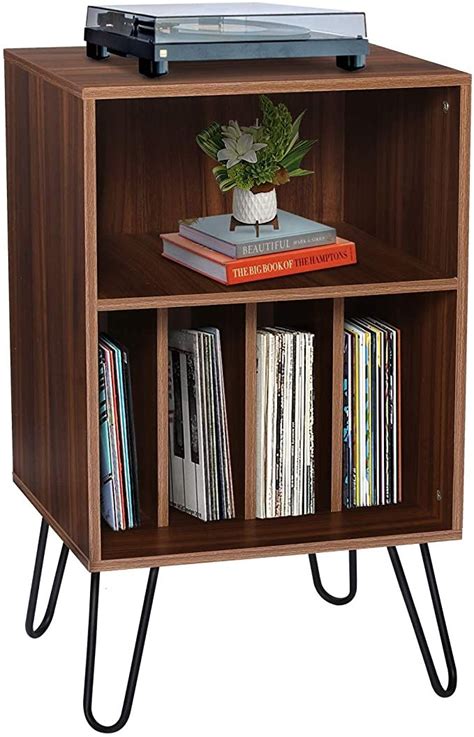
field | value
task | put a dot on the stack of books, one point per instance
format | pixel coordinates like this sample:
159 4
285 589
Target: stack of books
285 421
208 246
200 467
118 455
371 440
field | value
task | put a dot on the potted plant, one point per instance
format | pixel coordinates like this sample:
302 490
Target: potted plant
253 160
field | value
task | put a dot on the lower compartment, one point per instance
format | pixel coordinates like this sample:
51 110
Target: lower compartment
188 540
428 344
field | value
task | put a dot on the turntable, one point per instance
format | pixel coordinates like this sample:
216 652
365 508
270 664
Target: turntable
159 34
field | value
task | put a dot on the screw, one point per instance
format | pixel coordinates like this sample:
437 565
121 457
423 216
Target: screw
439 495
445 106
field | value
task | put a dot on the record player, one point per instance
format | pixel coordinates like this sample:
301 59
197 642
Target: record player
159 34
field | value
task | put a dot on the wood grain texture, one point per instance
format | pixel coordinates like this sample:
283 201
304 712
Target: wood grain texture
45 143
401 171
142 143
138 332
188 540
461 314
87 202
328 546
133 274
91 327
337 403
52 522
162 420
118 78
428 361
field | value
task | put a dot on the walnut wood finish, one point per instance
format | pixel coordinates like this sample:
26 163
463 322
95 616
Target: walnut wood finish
428 360
337 404
45 140
134 275
188 540
402 169
134 192
119 78
138 332
93 181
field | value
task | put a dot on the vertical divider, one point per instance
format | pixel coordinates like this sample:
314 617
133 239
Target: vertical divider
337 404
250 409
162 416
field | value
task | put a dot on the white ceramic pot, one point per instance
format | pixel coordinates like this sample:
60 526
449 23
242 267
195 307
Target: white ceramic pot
251 208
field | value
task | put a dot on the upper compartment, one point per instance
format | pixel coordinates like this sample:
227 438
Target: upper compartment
386 175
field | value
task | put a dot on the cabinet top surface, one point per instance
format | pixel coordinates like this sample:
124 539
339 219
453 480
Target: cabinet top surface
119 78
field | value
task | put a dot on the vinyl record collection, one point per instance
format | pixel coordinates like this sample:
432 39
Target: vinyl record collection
200 466
285 435
118 457
371 391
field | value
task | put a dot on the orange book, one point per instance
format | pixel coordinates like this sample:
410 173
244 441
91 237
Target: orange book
237 271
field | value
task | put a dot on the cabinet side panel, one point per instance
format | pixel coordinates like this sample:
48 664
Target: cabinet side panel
47 291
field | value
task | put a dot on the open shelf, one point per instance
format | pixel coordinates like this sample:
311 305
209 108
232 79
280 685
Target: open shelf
381 177
133 274
189 540
427 424
121 166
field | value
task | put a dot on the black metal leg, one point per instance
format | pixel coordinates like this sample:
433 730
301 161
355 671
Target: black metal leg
351 63
35 584
137 653
337 600
415 620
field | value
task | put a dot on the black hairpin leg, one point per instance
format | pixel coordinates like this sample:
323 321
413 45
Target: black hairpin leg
136 659
337 600
35 584
415 620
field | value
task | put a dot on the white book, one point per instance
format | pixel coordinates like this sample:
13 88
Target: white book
187 450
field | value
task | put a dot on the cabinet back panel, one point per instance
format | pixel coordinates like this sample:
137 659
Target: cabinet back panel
151 172
428 359
137 331
402 169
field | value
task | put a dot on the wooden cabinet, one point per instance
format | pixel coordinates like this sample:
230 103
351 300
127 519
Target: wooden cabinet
101 160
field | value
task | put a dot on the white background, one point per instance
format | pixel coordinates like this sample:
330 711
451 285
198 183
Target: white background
267 655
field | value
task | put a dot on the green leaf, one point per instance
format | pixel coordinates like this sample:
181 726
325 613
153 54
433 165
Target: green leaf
210 140
222 178
295 132
293 158
300 173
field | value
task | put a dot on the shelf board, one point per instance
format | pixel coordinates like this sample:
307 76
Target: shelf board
189 540
134 275
117 77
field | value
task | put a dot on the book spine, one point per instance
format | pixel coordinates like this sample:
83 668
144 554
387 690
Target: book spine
280 245
284 265
259 248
